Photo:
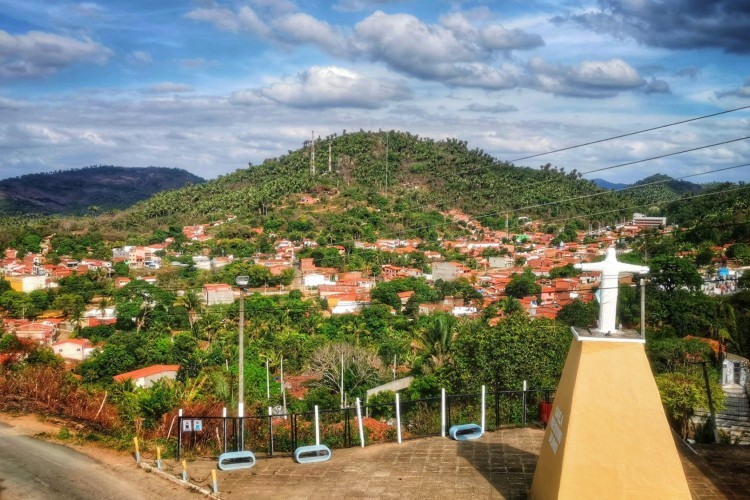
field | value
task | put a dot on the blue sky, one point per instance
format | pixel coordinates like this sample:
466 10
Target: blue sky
212 85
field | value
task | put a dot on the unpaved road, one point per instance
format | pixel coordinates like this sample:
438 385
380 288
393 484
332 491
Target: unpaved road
32 468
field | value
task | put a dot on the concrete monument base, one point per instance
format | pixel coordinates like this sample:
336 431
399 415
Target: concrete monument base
608 435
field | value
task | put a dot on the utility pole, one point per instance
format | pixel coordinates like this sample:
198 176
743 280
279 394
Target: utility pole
342 379
242 282
312 153
386 163
329 157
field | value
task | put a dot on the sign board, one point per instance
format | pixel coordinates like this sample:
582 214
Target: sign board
187 425
197 425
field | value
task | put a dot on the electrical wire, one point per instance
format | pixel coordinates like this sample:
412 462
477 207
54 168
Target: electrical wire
630 134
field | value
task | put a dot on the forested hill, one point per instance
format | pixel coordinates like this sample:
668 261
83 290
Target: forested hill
378 182
87 190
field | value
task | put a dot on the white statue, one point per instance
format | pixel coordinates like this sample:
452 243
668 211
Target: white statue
611 269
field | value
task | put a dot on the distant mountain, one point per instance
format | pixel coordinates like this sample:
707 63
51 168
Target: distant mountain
88 190
608 185
677 186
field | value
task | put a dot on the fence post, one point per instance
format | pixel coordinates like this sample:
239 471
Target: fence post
184 471
523 417
398 418
294 431
270 430
442 412
158 457
317 429
361 429
214 482
179 433
484 419
224 427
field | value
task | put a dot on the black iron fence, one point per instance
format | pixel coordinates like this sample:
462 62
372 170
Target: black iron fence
281 434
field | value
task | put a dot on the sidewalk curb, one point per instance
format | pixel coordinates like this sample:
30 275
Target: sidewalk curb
187 485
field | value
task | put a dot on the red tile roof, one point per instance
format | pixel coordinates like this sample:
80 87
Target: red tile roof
146 372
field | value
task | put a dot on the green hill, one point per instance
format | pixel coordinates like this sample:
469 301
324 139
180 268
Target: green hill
87 190
378 183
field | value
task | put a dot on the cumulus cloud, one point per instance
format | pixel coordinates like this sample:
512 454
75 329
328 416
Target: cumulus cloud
585 79
38 53
303 28
743 91
459 50
676 24
334 87
454 51
166 88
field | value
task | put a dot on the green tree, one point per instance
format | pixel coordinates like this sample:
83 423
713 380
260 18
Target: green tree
670 273
523 285
579 313
683 393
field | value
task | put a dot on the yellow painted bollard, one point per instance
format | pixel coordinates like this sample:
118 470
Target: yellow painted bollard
184 471
158 457
137 451
214 482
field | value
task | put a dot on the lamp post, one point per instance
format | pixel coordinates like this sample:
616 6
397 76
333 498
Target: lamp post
242 282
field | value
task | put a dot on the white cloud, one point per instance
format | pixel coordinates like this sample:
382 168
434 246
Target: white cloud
245 20
303 28
334 87
38 54
585 79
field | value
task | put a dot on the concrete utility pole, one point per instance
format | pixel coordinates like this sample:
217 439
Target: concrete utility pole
242 282
312 153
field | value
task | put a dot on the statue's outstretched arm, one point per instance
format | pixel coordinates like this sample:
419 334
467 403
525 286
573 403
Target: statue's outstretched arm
631 268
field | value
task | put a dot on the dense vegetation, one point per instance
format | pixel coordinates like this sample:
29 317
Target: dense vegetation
89 190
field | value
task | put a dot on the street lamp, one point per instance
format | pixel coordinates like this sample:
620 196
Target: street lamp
242 282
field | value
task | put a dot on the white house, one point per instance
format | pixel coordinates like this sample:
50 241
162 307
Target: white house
73 349
146 377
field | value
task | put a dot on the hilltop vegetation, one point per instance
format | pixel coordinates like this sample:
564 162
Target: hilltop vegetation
87 190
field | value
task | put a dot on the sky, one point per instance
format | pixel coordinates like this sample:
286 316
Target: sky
210 86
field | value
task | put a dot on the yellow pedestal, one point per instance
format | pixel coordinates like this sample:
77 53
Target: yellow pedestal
608 435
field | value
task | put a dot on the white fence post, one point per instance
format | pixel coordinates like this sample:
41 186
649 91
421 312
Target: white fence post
317 429
442 412
398 418
361 428
484 410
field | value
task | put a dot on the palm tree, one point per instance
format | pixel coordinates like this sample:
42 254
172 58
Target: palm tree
510 305
193 303
436 340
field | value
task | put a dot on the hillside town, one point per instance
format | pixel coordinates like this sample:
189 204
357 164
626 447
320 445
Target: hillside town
489 261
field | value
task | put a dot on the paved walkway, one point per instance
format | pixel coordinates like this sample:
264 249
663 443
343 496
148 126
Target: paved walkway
499 465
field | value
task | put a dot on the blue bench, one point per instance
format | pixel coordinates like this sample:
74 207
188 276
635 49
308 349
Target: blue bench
465 432
234 460
313 453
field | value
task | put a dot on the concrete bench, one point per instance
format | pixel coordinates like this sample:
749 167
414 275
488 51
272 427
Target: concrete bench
234 460
464 432
313 453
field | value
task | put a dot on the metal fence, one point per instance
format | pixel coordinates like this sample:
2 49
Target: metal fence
281 434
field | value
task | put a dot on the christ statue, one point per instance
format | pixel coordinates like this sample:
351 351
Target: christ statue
611 269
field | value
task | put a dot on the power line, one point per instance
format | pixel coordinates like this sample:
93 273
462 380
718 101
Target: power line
630 134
